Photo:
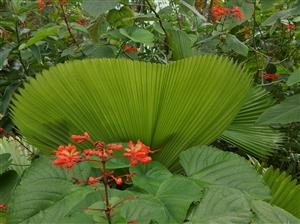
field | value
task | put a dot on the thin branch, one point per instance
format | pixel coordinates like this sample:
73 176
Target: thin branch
160 22
69 27
19 52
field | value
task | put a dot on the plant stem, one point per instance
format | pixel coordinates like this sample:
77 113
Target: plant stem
160 23
107 204
6 133
69 27
254 42
19 52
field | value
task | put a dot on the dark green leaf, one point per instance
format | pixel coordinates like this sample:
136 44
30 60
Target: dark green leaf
98 7
180 44
221 205
5 162
216 167
8 182
4 52
41 34
236 45
286 112
294 77
138 35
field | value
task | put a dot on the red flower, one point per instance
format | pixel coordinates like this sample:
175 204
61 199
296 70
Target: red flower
237 12
2 130
271 76
81 21
2 206
66 155
218 12
118 180
115 146
291 26
41 3
80 138
92 180
130 49
138 153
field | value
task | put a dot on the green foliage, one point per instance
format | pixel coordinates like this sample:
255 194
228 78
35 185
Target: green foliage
259 140
5 162
19 155
285 190
294 77
222 205
114 102
212 166
286 112
45 194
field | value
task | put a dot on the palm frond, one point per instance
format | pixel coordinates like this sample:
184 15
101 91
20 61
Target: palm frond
285 190
258 140
175 106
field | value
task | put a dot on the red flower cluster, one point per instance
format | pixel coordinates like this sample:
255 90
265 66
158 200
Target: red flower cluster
66 156
129 49
82 21
291 26
271 76
2 206
138 153
218 12
43 4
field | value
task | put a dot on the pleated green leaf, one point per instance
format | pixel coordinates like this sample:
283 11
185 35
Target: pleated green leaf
285 190
173 106
258 140
221 205
45 195
216 167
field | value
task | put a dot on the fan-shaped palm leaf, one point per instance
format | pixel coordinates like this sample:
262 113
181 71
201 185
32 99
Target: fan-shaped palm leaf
174 106
285 190
258 140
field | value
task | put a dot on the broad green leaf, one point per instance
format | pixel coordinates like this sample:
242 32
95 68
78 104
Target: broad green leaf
266 213
99 51
19 156
286 112
294 77
41 34
236 45
150 176
138 35
258 140
266 4
169 205
7 96
285 190
121 17
4 52
173 106
5 162
216 167
8 183
221 205
45 195
180 44
97 7
283 14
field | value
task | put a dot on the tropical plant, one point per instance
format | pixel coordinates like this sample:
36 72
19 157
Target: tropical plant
217 187
174 106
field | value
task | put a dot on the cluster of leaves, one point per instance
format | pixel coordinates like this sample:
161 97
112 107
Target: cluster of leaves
216 186
183 100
